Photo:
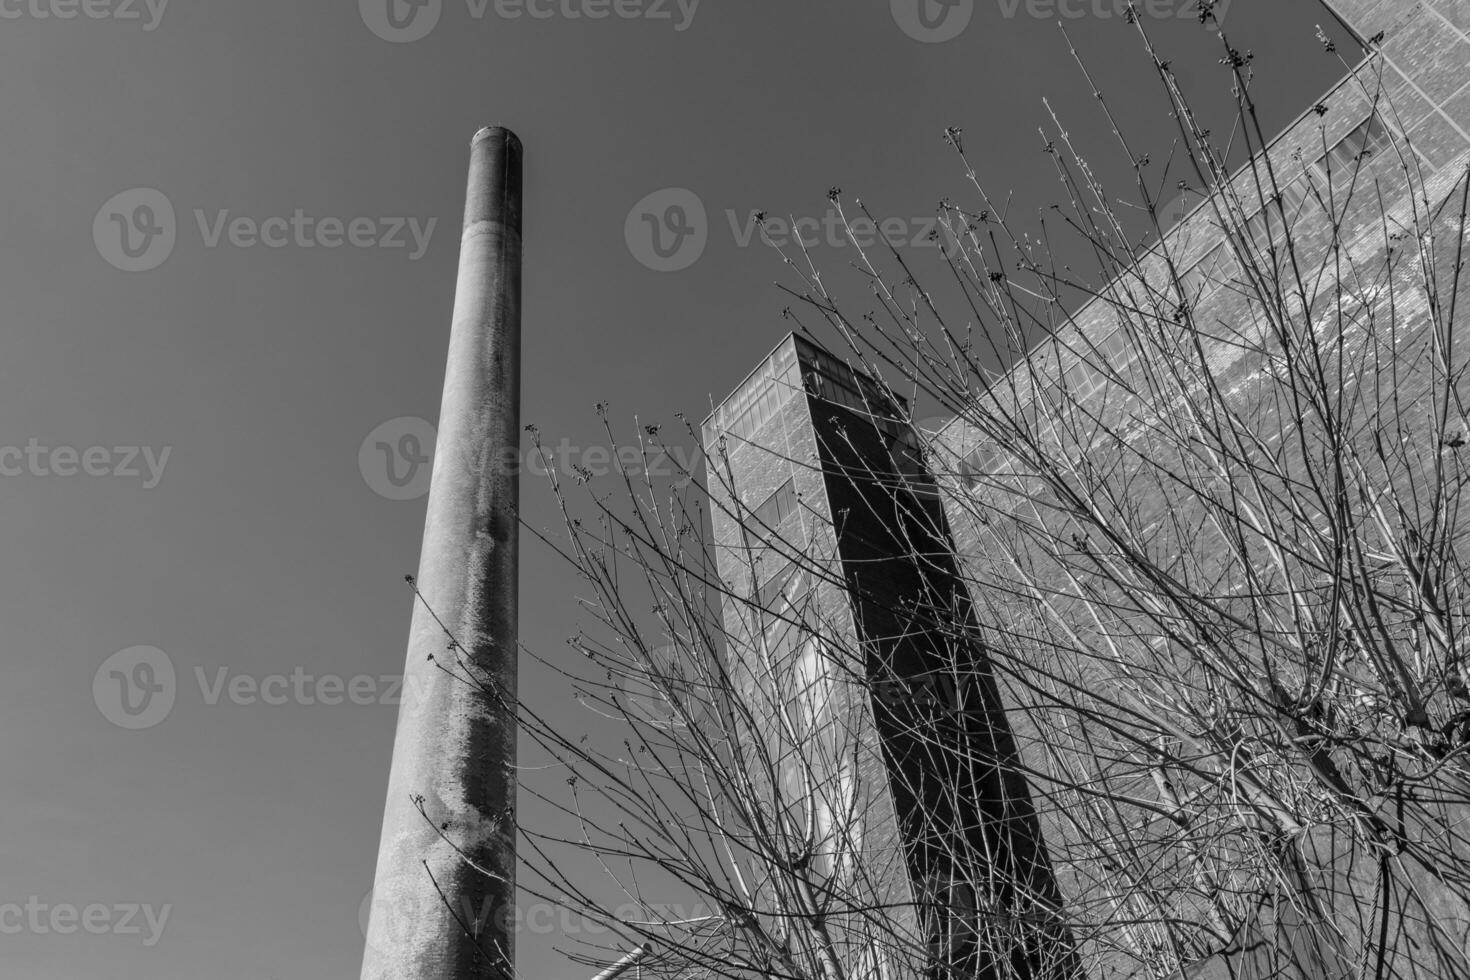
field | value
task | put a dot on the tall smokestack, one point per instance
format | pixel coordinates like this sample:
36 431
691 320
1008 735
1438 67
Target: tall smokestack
432 915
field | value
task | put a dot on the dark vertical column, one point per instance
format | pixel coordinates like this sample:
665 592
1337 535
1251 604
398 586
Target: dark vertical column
433 916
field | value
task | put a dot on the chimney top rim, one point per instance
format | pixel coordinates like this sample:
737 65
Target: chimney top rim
486 132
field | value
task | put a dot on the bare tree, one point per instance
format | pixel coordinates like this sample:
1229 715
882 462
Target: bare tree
1198 705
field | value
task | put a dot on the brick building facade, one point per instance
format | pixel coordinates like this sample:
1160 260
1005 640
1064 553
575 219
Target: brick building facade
1407 104
842 554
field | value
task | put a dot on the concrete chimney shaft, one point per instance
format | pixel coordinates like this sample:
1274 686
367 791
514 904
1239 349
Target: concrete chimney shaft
432 916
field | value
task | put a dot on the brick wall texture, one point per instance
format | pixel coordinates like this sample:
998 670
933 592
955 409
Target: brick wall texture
1419 84
878 542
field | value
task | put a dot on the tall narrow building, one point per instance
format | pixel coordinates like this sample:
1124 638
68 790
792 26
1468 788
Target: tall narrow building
850 630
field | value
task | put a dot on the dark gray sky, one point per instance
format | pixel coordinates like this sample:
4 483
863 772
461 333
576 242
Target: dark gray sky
257 547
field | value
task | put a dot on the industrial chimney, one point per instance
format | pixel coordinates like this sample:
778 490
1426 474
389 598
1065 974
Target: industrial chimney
452 787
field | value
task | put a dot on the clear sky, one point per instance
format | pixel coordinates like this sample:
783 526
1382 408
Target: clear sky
264 545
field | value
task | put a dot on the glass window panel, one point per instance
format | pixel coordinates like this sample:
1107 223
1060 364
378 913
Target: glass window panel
775 508
1369 137
1076 376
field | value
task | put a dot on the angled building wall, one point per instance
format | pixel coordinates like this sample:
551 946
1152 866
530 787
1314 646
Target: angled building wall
831 536
1417 88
